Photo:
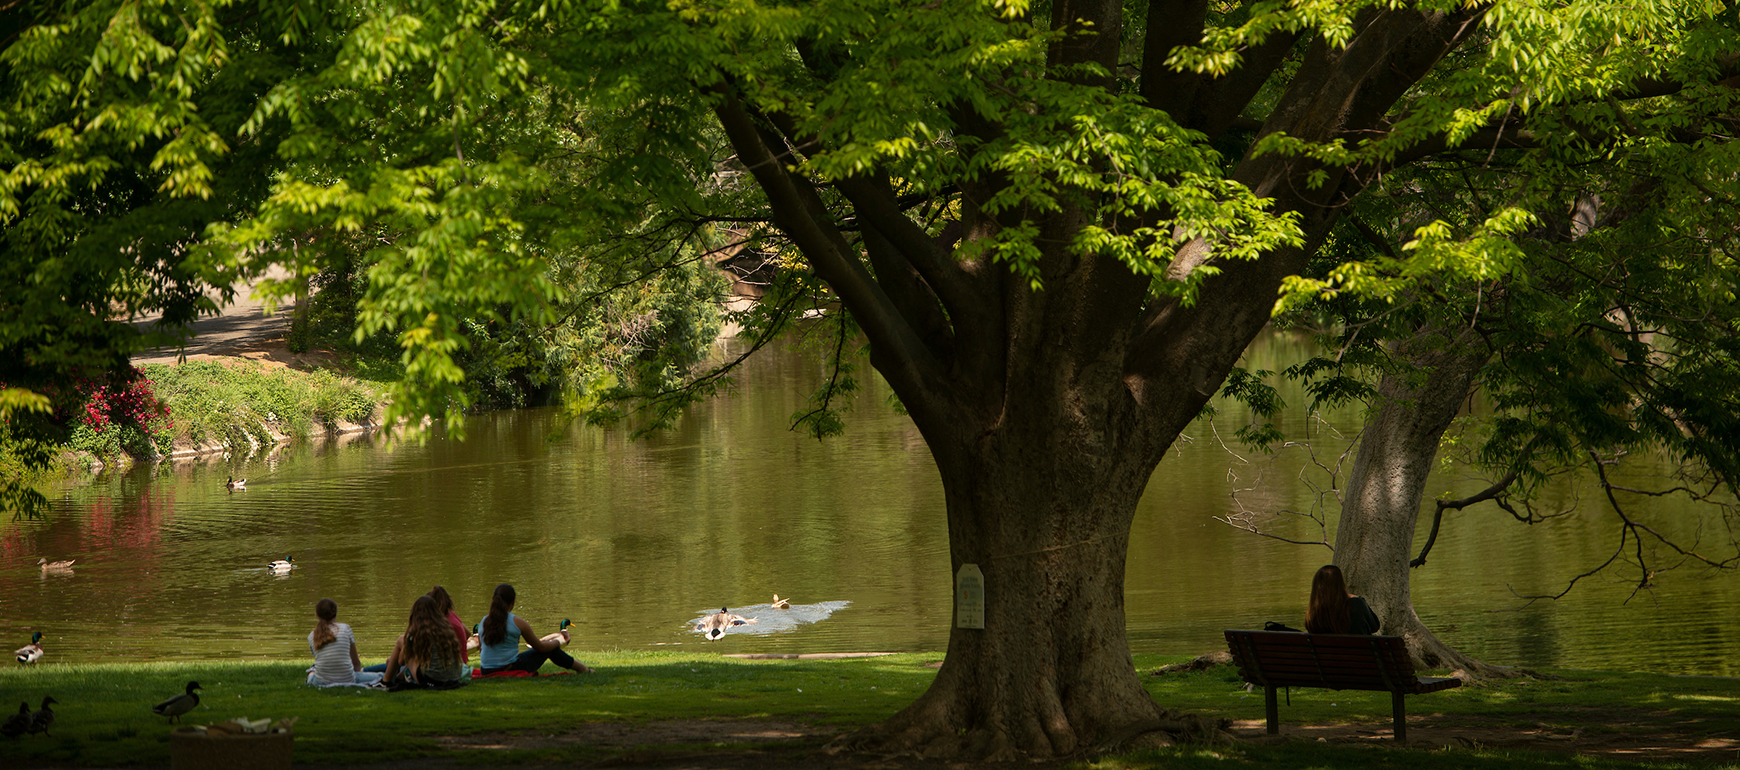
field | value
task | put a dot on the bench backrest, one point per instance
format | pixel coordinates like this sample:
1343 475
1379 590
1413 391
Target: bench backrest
1334 661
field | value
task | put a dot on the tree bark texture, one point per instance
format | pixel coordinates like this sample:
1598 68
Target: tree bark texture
1374 537
1047 410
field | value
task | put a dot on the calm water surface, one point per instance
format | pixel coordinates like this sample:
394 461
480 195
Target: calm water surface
635 539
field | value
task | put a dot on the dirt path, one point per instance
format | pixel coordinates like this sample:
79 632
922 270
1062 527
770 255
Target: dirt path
243 329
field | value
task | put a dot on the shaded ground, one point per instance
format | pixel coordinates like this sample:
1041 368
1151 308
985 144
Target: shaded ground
742 744
1631 735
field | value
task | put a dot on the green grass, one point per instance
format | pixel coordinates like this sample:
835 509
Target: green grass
231 401
104 715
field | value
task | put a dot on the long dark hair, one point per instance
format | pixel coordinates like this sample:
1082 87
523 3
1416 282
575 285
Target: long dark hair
1327 613
327 611
427 637
443 600
495 625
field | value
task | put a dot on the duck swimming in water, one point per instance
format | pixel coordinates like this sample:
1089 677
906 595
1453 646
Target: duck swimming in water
55 566
283 565
232 482
780 604
714 625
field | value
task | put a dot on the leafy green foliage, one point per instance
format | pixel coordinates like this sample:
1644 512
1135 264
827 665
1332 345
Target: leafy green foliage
1264 402
23 454
117 148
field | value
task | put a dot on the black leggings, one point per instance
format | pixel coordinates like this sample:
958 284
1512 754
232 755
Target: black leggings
531 659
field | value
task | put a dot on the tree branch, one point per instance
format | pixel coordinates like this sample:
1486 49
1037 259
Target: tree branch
802 216
1443 505
877 205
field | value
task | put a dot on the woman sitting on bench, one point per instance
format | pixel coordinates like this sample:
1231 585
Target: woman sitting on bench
1335 611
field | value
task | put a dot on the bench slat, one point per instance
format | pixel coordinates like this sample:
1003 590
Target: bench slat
1334 656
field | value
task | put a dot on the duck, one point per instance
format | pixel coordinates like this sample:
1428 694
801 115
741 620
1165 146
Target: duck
560 636
780 604
32 652
17 724
55 566
282 565
43 717
180 704
232 482
714 625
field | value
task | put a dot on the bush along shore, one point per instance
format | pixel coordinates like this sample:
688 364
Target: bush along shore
202 407
670 709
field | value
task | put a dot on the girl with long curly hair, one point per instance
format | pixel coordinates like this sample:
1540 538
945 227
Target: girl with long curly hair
501 632
426 655
444 605
1335 611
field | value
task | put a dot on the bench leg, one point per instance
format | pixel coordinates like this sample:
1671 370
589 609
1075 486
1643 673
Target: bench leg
1401 714
1271 709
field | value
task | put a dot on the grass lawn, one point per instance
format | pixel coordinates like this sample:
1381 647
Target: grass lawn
786 707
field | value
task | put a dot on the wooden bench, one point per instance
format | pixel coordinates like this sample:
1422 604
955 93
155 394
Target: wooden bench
1275 659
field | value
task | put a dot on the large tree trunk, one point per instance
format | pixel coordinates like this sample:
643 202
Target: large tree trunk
1046 517
1375 535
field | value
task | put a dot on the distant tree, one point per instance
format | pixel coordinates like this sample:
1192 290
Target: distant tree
1612 336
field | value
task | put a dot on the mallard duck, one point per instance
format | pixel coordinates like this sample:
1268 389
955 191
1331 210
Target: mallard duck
780 604
32 652
17 724
55 566
714 625
232 482
180 704
283 565
561 634
43 717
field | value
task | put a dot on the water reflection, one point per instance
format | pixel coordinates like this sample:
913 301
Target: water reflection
629 538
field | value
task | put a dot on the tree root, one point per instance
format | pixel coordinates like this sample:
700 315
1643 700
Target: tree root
1201 663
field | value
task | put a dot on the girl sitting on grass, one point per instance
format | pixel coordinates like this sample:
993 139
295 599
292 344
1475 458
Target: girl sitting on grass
444 605
501 633
426 655
334 648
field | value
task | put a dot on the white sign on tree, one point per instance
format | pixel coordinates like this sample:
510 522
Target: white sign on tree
969 597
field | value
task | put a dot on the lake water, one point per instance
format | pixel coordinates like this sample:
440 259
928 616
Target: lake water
634 540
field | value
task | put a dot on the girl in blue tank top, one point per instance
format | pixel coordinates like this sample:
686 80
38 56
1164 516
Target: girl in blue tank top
499 635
